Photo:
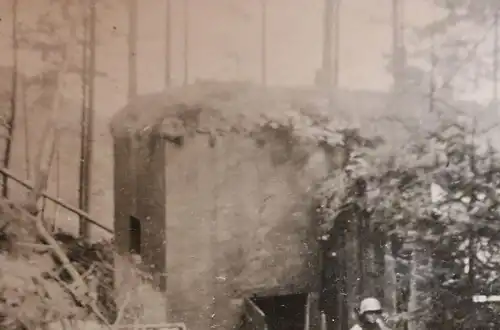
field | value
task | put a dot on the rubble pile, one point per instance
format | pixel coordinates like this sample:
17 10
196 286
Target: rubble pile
45 280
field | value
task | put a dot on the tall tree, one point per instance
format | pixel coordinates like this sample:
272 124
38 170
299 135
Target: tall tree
391 293
326 66
57 39
133 12
49 141
186 15
336 48
13 97
398 46
263 47
87 119
168 43
495 58
462 33
328 75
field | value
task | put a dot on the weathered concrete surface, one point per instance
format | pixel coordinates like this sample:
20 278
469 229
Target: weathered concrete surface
140 192
237 224
224 214
141 301
223 220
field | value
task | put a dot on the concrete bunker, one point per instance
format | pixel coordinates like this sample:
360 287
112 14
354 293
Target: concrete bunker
212 189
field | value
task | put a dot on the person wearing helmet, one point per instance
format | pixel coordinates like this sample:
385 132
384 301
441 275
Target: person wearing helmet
370 315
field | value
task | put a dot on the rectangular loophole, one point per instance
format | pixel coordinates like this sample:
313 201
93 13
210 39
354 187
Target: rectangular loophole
135 235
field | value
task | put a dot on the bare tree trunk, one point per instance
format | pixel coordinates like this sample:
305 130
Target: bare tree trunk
326 67
186 42
398 48
57 156
378 245
13 98
471 276
51 129
495 60
85 109
85 61
168 43
354 280
336 49
369 264
87 123
432 81
133 11
27 137
417 299
391 286
263 55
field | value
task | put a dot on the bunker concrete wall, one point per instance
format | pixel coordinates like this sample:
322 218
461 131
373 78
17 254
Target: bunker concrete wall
144 303
140 192
237 223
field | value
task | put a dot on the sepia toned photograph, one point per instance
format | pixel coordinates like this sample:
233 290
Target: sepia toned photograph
249 165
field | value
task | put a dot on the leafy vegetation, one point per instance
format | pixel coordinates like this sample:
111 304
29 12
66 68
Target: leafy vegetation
440 200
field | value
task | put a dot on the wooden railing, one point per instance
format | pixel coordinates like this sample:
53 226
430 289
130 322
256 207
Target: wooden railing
46 197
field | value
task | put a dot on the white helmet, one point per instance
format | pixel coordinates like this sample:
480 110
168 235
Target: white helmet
370 305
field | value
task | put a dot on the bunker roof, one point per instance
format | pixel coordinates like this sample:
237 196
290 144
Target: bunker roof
229 107
208 107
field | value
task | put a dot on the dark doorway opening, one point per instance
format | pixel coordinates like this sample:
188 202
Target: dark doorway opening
333 300
135 236
287 312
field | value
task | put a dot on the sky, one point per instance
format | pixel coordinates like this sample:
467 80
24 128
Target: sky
224 42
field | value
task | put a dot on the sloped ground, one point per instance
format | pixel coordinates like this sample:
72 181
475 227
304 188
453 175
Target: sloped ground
33 288
36 290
